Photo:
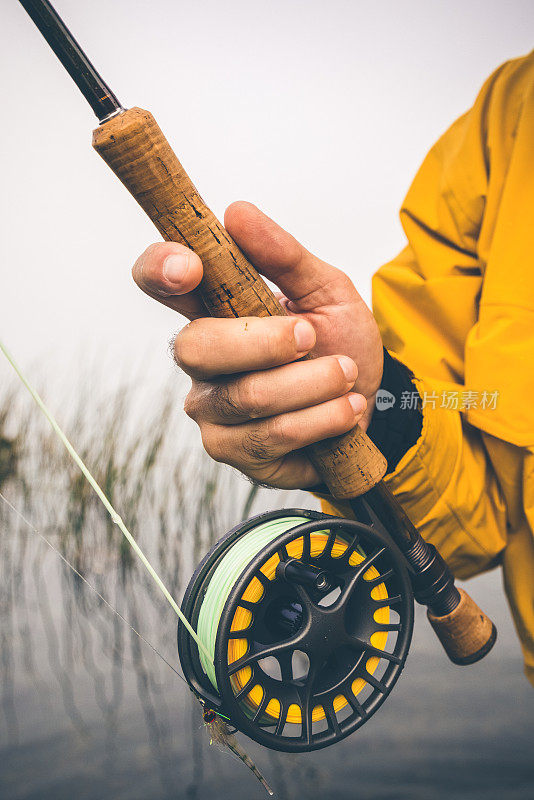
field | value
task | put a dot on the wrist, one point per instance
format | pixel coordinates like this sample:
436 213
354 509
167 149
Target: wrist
394 426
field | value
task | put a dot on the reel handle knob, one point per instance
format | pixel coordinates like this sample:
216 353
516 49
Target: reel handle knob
467 633
296 571
133 145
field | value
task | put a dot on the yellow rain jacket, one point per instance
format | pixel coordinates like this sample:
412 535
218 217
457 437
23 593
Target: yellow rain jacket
457 307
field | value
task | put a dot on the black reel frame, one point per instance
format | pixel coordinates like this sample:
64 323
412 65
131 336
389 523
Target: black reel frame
298 614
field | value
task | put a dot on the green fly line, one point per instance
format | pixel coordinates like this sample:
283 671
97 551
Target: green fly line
228 570
38 533
106 503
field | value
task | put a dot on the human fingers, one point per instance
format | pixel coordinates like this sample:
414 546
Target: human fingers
209 347
169 272
260 448
305 280
267 393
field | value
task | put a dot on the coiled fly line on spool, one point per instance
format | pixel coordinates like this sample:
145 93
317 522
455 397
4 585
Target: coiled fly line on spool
222 581
307 619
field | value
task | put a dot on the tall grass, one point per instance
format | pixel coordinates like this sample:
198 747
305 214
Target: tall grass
174 499
54 631
8 445
148 460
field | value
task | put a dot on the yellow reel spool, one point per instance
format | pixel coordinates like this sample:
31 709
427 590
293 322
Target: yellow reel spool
253 594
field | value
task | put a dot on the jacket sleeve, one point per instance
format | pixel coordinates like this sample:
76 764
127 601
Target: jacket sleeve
426 302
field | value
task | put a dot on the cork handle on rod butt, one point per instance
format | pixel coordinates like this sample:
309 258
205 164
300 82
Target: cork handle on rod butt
133 145
467 633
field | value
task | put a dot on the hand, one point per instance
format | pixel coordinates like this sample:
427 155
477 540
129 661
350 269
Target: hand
256 405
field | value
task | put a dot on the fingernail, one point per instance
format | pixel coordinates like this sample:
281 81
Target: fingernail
304 336
175 268
358 403
349 368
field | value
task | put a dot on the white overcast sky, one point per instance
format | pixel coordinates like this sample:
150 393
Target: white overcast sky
319 112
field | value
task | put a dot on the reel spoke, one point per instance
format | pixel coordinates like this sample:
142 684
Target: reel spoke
306 547
285 659
262 578
374 682
270 650
357 576
282 718
265 700
360 646
307 722
242 634
389 626
248 604
332 535
331 718
390 601
306 695
247 686
355 704
305 597
381 578
306 727
352 547
283 555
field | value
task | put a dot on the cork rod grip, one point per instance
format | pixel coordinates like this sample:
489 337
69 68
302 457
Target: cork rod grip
133 145
467 633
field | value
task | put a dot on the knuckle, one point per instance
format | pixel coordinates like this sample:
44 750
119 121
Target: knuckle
342 281
177 348
192 405
342 415
256 445
212 443
279 432
335 377
188 346
336 417
277 341
223 403
250 396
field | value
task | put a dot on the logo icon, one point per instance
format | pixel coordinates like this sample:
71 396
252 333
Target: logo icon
384 400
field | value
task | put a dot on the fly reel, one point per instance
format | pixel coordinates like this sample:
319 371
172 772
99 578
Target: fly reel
308 619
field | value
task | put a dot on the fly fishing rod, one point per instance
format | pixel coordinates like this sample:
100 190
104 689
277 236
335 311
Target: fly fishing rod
305 619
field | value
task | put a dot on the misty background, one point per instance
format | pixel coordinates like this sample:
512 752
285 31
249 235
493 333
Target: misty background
318 112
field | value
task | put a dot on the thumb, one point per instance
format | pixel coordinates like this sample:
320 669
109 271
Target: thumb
303 278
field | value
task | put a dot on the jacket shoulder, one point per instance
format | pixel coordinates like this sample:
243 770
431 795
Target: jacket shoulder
507 90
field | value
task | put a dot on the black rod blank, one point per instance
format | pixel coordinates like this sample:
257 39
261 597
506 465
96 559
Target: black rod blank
97 93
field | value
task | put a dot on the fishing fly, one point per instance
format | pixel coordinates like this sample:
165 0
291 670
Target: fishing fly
222 736
296 625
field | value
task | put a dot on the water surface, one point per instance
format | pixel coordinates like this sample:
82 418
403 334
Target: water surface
89 711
